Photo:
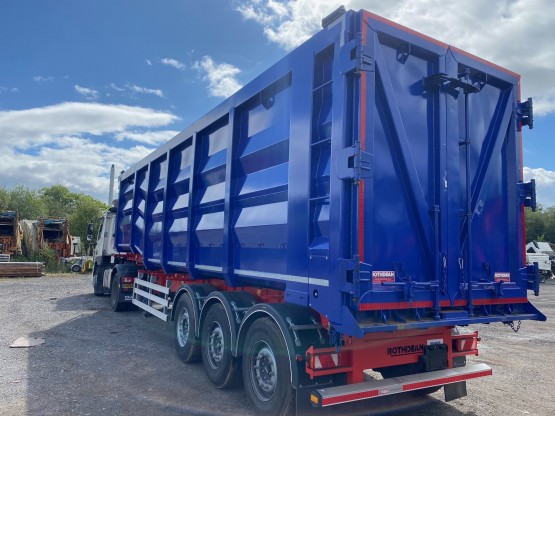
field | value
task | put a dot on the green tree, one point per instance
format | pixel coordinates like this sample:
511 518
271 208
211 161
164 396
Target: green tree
28 203
540 225
4 198
86 210
549 224
58 200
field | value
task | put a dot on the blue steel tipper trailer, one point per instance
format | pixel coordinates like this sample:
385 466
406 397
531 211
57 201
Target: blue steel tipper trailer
344 211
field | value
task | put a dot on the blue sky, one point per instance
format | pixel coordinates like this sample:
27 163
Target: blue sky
84 84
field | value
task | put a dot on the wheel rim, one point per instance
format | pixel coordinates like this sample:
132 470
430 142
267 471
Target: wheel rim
215 345
183 328
263 371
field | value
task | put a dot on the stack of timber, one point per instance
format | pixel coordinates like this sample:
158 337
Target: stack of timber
21 269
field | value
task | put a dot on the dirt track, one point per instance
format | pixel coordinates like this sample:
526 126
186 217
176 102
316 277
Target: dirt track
97 362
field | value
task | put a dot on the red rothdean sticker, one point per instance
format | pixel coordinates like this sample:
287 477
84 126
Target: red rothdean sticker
502 276
383 276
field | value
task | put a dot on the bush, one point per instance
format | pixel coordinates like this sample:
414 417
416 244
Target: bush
47 256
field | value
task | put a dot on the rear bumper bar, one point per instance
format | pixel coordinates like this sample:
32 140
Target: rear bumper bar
380 388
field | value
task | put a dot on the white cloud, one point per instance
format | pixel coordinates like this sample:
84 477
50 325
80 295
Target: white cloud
137 89
90 94
8 89
288 23
145 90
74 143
42 79
545 184
148 62
172 62
78 163
25 128
516 34
220 77
152 138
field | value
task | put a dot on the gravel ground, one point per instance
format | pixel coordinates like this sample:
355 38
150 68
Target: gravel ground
96 362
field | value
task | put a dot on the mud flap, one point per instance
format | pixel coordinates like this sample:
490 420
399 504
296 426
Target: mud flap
454 391
302 401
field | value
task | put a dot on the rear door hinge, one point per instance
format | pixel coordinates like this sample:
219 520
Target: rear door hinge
452 85
355 57
527 193
354 276
355 164
533 278
524 114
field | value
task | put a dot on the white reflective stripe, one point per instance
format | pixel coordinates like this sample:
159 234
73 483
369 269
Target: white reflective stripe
284 277
318 363
208 268
322 282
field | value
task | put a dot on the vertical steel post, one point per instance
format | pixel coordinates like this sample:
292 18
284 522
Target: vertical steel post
468 202
111 190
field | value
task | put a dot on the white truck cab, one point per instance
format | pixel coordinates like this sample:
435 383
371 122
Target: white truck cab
112 275
542 254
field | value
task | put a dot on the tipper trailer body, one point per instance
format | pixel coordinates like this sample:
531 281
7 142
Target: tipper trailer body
352 208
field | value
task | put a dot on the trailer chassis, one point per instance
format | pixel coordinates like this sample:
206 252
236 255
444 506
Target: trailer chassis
285 354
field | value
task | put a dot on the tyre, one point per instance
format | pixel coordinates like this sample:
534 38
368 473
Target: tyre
267 370
217 359
76 268
117 305
186 344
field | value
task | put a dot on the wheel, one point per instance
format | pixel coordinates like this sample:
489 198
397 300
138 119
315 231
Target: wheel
76 268
186 344
267 370
117 305
218 361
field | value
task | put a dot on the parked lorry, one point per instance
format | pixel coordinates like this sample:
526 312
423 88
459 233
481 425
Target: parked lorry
47 232
10 233
540 252
329 231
